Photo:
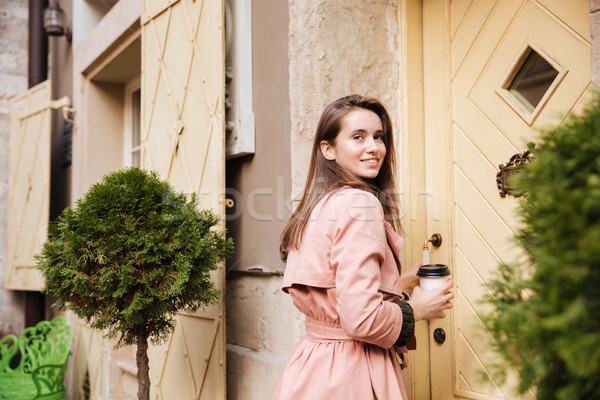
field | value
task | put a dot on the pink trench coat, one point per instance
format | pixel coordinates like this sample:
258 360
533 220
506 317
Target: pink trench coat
343 277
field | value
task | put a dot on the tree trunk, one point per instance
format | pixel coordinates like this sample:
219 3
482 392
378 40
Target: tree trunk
143 369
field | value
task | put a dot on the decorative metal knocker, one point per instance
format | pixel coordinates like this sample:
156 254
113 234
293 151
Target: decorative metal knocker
505 177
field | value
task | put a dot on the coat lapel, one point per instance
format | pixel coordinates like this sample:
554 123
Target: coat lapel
393 239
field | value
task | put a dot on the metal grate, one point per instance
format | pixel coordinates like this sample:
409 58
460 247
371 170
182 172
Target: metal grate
85 387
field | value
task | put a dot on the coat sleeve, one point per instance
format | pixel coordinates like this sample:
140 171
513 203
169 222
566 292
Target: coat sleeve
357 252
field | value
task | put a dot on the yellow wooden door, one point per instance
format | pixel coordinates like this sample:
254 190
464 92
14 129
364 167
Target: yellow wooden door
495 74
29 184
183 139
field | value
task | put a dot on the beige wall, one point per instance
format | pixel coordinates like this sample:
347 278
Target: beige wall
96 84
260 183
260 316
103 120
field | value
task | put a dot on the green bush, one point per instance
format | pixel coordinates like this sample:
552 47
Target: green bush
546 314
131 255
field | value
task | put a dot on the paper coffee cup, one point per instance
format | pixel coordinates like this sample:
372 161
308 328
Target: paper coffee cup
432 276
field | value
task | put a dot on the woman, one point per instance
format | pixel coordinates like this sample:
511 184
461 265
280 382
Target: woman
342 270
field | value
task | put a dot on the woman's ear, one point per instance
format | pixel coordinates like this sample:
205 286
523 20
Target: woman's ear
327 150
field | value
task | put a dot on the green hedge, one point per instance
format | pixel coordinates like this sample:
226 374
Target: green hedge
546 314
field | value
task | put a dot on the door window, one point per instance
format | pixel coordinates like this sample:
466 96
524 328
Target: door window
532 80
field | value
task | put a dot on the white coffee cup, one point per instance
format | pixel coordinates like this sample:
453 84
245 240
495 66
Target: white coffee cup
432 276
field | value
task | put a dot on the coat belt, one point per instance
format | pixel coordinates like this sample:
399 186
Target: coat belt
317 331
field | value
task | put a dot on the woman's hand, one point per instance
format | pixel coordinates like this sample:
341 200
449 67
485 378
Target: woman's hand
409 278
427 304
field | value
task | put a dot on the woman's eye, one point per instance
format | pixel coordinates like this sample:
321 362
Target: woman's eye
378 137
357 137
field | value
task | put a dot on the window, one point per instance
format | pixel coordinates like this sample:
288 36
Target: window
132 146
239 119
532 80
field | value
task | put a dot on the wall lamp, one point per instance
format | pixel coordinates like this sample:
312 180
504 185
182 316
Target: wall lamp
54 21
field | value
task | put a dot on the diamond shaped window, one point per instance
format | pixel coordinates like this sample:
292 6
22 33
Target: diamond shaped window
531 79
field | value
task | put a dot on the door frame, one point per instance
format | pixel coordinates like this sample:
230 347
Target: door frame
426 109
438 146
412 171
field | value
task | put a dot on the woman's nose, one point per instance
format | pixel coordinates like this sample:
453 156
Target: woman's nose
370 144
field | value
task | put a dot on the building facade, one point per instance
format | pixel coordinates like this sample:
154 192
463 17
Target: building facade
222 98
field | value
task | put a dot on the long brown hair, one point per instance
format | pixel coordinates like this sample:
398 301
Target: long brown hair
325 177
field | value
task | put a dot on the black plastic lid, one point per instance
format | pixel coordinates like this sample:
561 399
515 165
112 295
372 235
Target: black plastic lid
433 271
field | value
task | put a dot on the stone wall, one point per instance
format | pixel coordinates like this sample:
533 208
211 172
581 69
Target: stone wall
13 75
595 31
338 48
262 329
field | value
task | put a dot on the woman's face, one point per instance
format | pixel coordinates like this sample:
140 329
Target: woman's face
359 145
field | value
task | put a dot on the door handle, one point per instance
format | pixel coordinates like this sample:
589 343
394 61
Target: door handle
436 241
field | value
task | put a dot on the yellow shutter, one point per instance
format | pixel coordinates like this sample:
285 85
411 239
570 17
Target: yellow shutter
183 140
29 184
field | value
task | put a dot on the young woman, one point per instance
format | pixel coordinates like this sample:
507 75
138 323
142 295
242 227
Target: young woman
342 270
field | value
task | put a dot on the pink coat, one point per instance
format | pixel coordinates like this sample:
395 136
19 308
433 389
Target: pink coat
343 277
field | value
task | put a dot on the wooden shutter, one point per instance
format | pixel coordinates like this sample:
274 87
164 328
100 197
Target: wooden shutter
29 184
183 140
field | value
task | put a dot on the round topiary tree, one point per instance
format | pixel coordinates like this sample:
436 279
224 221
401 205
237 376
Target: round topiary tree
545 316
129 256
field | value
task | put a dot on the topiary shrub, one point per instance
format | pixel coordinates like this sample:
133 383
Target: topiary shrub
545 315
129 256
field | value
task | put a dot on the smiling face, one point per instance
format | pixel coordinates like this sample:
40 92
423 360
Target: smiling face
359 146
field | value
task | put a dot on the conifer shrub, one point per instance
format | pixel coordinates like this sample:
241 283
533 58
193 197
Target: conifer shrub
545 316
129 256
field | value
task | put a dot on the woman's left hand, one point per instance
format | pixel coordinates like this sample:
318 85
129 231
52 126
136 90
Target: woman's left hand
409 278
427 304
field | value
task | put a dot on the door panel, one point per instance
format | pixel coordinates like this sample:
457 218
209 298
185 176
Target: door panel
557 42
472 62
469 16
183 139
468 157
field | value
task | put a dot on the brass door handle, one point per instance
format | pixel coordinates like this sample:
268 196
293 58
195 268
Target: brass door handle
435 240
